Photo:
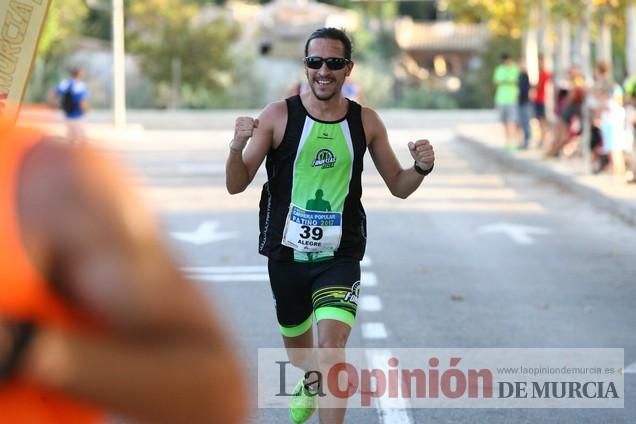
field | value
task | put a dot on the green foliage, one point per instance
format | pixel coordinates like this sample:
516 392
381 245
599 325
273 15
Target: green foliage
244 90
98 24
490 58
62 28
161 31
247 90
476 91
63 23
339 3
424 97
419 11
504 17
375 83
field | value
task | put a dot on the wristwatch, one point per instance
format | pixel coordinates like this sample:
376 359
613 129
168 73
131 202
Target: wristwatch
423 172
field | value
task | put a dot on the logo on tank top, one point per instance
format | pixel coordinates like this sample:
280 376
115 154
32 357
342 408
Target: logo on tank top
324 159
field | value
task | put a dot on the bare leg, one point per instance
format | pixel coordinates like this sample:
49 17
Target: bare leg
543 125
560 132
332 339
299 350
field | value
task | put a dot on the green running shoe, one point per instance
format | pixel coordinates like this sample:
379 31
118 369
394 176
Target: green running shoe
302 405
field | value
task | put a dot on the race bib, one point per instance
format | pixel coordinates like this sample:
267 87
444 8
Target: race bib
312 231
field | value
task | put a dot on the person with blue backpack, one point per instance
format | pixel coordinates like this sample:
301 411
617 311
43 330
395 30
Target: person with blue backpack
71 95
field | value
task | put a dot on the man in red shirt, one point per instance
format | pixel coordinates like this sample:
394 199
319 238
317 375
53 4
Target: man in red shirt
539 98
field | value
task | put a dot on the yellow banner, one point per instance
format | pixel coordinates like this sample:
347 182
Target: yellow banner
21 23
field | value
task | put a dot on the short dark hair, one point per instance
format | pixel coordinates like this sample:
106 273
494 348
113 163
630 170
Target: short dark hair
331 34
505 56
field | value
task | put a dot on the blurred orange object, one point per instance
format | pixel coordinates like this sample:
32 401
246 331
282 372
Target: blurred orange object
26 296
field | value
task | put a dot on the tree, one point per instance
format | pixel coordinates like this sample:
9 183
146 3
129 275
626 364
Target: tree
504 17
161 32
64 23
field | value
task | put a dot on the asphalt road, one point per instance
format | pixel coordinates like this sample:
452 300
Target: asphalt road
479 257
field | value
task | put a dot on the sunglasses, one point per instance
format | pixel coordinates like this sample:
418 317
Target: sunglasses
333 63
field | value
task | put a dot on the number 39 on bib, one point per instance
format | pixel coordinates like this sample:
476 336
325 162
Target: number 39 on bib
312 231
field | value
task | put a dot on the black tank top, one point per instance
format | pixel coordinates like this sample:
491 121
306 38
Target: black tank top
315 159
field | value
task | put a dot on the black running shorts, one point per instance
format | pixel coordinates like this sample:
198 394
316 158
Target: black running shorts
330 289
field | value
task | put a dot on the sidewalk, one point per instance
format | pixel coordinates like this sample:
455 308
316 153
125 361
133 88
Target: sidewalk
608 192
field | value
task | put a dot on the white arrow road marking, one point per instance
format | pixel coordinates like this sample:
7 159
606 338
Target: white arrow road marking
254 273
520 234
206 233
390 411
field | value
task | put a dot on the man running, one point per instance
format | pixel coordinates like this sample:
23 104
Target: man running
314 144
95 317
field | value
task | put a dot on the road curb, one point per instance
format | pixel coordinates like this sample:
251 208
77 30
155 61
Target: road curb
616 207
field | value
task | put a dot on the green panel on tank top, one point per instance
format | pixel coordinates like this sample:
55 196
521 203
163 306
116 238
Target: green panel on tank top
323 169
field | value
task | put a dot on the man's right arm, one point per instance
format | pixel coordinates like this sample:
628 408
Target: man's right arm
245 158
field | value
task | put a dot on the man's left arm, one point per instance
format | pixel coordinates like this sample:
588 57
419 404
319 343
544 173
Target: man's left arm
401 182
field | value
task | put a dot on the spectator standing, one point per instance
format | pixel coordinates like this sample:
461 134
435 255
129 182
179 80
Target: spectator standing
506 79
540 91
524 106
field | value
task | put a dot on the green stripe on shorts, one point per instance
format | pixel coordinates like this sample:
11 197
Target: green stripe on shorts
338 314
296 330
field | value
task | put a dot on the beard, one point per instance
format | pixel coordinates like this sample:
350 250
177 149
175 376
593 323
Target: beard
325 96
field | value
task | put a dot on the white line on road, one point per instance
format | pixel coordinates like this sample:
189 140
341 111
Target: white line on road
256 269
225 269
373 330
368 279
230 278
370 303
395 412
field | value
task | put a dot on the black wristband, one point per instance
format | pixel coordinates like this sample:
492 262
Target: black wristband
421 171
22 333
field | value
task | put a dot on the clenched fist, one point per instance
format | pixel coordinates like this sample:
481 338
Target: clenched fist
243 130
423 154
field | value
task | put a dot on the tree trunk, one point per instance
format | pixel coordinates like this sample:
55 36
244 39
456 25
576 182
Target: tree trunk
586 67
530 45
564 47
604 42
547 49
583 38
630 38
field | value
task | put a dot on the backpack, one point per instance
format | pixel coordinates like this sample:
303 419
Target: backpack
68 102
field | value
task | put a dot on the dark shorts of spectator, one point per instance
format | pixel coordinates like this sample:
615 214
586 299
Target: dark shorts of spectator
596 138
569 112
539 110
